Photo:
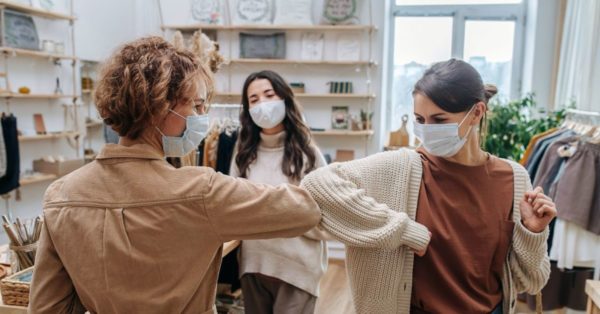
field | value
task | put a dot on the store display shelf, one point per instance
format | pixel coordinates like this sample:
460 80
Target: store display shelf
29 138
308 95
343 133
193 27
286 61
42 177
34 53
13 5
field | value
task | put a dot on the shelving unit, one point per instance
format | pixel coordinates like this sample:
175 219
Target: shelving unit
35 11
51 136
13 60
305 95
343 133
235 63
194 27
36 96
42 177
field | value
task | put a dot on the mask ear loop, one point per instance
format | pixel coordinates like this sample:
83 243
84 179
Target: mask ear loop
463 120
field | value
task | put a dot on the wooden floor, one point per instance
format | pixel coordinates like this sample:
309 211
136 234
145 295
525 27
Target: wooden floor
336 297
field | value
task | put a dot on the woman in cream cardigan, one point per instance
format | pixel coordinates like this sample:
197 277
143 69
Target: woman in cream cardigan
447 228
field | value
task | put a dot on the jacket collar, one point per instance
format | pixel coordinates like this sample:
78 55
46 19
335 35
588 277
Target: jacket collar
138 151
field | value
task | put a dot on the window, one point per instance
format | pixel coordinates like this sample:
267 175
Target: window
486 33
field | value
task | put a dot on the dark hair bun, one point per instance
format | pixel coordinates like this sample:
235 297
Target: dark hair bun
490 91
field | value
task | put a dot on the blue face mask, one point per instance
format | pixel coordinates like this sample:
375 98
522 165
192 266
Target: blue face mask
196 128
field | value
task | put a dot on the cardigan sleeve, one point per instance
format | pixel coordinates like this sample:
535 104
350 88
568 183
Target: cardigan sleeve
355 218
528 261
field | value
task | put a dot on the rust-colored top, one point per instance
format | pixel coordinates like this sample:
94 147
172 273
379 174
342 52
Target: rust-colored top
467 209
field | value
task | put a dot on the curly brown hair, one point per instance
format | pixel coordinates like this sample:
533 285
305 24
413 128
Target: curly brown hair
145 78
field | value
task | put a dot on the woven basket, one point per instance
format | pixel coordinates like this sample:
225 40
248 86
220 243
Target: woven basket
15 288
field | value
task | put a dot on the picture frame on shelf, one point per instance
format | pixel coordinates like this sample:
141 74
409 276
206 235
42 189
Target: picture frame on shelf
251 12
340 116
19 31
340 12
297 12
207 12
348 47
312 46
262 46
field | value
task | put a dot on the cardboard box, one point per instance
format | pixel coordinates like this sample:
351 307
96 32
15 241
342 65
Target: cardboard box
58 168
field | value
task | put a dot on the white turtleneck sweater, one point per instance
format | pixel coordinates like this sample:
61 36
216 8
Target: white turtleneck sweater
299 261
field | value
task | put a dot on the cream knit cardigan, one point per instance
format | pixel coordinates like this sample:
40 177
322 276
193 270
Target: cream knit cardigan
370 205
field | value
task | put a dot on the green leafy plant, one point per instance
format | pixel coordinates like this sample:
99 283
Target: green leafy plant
511 126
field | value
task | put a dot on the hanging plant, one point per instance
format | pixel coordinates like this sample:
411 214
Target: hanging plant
511 126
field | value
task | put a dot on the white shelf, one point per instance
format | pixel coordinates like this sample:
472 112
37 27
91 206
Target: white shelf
37 179
193 27
286 61
34 53
35 11
305 95
36 96
343 133
94 124
52 136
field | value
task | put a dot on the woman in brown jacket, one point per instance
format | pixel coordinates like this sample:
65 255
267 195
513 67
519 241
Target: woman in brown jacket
128 233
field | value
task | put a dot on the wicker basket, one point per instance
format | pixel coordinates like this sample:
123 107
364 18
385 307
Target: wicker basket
15 288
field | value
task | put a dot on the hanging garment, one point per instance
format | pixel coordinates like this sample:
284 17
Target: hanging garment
574 246
532 143
10 180
225 151
2 154
578 190
551 162
540 150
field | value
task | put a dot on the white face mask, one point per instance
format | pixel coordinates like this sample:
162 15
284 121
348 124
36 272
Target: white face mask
442 140
268 114
196 128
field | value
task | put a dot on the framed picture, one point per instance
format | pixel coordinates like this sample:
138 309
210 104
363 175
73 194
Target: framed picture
244 12
207 11
312 46
262 46
340 117
48 5
297 12
342 12
19 31
348 48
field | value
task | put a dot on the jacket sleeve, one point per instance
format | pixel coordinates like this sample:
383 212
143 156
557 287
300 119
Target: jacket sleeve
239 209
353 217
528 261
52 290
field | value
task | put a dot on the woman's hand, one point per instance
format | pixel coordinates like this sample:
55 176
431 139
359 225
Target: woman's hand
537 210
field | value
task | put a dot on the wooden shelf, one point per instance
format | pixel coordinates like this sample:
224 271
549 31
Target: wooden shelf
286 61
90 156
35 11
46 136
34 53
36 96
94 124
87 91
343 133
230 246
37 178
193 27
305 95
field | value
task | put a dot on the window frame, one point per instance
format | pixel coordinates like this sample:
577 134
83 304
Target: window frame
460 15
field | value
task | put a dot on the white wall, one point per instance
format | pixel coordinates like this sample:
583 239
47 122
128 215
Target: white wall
541 36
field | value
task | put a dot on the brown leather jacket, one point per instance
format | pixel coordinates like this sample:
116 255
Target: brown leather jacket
128 233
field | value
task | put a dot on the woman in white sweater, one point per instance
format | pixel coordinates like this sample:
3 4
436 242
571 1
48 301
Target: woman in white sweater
274 147
447 228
